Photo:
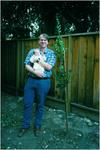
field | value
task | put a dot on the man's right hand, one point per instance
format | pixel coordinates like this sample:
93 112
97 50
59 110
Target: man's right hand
38 73
30 69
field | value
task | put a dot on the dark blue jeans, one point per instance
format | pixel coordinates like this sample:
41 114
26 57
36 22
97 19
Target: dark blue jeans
33 87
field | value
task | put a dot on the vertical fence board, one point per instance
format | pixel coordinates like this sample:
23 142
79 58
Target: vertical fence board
82 70
28 44
22 64
75 70
18 63
12 63
96 75
89 72
35 44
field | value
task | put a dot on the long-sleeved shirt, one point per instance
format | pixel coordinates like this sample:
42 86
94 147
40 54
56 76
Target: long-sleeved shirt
50 59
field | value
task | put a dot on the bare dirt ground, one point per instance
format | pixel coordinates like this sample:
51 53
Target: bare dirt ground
83 133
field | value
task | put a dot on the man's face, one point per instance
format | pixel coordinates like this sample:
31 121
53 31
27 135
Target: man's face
43 42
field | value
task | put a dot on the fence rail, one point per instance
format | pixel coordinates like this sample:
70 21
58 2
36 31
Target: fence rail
82 59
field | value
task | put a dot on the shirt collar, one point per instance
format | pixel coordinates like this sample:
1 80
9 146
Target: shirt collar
46 50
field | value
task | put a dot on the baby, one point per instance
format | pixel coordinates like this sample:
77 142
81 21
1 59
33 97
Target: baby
35 58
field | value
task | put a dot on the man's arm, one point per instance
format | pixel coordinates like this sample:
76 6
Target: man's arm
31 70
45 65
50 62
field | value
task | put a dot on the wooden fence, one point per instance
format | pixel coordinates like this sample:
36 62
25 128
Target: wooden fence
82 59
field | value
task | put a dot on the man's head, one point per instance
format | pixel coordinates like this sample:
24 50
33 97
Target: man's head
43 40
44 35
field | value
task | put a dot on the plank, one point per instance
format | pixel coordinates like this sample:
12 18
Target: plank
89 72
96 75
81 69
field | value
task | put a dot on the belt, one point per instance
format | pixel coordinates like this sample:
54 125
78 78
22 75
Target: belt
38 78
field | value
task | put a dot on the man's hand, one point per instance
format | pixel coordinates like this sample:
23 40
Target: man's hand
30 69
38 73
45 65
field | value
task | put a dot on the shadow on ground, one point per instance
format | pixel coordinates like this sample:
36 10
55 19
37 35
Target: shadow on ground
82 132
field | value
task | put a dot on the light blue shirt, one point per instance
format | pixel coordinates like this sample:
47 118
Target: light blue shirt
50 59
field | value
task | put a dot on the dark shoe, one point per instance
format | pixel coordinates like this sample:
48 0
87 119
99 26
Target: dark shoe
37 131
22 132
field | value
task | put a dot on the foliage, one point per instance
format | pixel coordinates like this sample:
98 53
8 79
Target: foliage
62 76
17 17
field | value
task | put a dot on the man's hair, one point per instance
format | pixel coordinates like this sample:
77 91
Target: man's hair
44 35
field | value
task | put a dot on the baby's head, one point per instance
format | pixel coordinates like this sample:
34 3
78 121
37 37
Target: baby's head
36 52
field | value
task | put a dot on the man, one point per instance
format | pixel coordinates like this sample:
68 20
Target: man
37 84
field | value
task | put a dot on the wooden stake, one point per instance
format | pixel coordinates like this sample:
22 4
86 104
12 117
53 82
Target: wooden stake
66 102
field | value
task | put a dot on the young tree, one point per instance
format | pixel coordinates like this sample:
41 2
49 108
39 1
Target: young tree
62 74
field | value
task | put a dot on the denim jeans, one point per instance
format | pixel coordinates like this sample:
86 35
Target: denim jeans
33 87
